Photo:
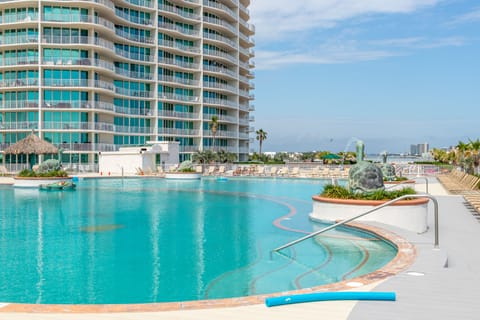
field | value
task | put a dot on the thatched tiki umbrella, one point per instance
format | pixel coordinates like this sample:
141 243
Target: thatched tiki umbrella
31 145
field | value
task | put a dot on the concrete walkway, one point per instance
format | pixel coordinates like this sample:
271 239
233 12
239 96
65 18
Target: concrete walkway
440 293
449 290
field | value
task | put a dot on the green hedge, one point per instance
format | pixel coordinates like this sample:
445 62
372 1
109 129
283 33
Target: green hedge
55 173
339 192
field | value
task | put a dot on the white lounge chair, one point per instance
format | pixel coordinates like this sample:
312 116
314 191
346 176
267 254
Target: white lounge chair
295 172
211 170
3 171
283 171
315 172
260 171
273 171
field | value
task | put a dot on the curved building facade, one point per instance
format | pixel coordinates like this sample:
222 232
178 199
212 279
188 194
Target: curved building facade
92 76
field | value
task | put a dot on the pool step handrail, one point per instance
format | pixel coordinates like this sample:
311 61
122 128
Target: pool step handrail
388 203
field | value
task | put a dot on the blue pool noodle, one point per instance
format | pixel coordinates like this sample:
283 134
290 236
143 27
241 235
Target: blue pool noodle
326 296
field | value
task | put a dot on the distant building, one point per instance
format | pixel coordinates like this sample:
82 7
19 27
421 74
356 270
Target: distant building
419 149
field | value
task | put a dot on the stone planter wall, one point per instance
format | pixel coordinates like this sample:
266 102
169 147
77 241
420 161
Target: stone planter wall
399 185
35 182
183 175
407 214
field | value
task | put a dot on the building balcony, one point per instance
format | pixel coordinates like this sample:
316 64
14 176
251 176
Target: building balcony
178 132
221 70
19 18
65 82
223 118
178 97
220 6
178 114
21 125
220 54
133 129
97 147
178 11
178 80
216 37
61 18
178 63
221 86
78 126
178 46
221 23
134 93
220 134
179 29
223 102
216 148
19 83
134 38
132 19
134 111
19 104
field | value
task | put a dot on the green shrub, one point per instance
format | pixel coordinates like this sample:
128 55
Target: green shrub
186 166
27 173
56 173
339 192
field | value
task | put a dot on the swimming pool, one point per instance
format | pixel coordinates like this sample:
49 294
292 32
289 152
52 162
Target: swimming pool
118 241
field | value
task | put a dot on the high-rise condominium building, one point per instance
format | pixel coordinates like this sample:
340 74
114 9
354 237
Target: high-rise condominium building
93 75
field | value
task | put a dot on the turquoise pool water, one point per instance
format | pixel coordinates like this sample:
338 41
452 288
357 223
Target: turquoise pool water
155 240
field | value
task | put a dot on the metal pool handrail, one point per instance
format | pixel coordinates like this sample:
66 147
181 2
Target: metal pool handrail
313 234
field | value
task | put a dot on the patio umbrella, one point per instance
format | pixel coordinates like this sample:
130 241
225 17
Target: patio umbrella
331 156
31 145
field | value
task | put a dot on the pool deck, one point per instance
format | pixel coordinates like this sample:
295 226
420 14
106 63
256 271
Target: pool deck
448 289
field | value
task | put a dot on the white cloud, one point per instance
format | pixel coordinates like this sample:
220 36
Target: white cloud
319 31
473 16
276 19
275 59
419 42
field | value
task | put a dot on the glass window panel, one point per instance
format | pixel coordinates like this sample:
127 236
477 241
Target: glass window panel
57 95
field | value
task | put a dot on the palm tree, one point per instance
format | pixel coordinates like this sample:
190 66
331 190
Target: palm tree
460 154
214 128
226 157
475 147
261 136
203 157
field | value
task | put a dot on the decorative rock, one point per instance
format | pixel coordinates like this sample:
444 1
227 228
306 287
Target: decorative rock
365 177
388 171
49 165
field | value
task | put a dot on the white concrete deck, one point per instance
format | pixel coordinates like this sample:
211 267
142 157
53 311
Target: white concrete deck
442 293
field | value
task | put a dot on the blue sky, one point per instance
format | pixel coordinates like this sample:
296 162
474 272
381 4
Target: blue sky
391 73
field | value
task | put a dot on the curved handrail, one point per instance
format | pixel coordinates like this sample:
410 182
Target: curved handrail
333 226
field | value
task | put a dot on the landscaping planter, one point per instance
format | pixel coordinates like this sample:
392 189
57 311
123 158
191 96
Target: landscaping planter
399 185
35 182
183 175
407 214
